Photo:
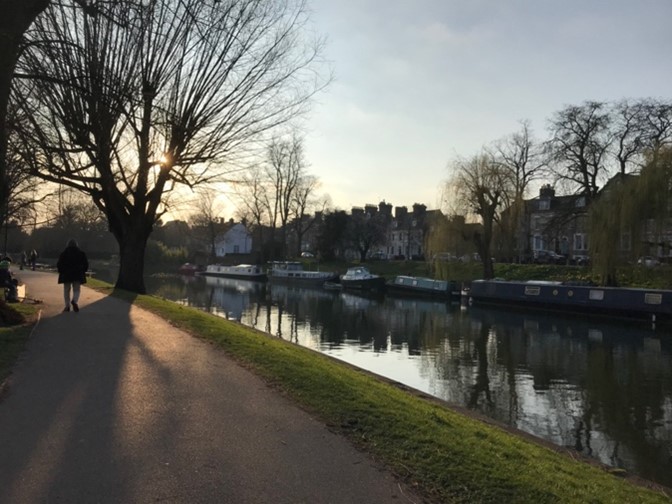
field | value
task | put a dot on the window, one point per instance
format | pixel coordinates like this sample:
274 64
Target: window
580 202
236 249
580 241
538 242
544 204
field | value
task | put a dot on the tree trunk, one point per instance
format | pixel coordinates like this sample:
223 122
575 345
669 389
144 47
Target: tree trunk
17 15
132 261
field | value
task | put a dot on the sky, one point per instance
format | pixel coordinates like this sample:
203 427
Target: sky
419 83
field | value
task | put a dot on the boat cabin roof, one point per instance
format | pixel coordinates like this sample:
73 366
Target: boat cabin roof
287 265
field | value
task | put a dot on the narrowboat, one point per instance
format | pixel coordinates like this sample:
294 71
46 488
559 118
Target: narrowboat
241 271
421 286
293 272
650 304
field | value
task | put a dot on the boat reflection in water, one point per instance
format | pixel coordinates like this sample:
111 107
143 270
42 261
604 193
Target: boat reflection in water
603 389
230 297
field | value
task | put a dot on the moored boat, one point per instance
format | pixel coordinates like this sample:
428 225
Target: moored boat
360 278
242 271
293 272
651 304
421 286
188 269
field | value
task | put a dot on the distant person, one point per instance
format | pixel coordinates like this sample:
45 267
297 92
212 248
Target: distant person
33 258
8 282
24 259
72 266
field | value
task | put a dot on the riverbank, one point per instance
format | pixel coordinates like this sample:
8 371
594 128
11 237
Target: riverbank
448 455
658 277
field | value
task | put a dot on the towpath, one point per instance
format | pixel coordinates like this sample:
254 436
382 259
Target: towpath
114 405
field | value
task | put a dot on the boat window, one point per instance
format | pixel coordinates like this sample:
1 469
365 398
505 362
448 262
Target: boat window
653 298
596 295
532 291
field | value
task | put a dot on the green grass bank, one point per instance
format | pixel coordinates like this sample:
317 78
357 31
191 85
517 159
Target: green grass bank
445 455
15 328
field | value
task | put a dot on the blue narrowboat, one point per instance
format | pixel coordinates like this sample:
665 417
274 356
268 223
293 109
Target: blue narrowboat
651 304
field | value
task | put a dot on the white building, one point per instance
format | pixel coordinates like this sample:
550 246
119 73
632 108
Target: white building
235 240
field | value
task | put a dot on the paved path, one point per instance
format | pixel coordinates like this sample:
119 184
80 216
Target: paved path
113 405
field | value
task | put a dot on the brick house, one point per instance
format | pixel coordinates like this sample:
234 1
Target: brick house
556 223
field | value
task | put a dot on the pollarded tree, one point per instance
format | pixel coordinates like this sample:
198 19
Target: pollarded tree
139 98
16 17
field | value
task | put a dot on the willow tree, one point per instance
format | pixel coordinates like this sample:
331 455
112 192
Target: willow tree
611 216
651 213
481 187
631 214
130 100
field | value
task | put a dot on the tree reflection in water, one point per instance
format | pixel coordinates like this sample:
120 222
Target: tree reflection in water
601 387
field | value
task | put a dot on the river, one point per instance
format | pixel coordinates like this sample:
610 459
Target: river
600 386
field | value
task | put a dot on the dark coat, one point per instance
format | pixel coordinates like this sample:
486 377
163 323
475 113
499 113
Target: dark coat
72 266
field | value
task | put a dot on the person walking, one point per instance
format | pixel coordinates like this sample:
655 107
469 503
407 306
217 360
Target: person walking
72 266
33 258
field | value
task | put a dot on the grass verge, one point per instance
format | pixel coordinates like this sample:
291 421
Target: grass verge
446 456
13 338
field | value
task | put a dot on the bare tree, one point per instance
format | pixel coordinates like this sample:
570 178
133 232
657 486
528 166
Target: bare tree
366 231
140 98
284 171
580 137
481 187
628 127
17 16
305 204
657 125
207 222
522 161
252 208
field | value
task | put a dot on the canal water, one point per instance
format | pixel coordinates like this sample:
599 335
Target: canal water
600 386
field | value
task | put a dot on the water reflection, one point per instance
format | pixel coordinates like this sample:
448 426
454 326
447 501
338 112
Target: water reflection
603 389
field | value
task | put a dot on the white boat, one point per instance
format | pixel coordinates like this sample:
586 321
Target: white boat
244 271
293 272
360 278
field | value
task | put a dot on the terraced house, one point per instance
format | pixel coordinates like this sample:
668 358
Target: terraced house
561 224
